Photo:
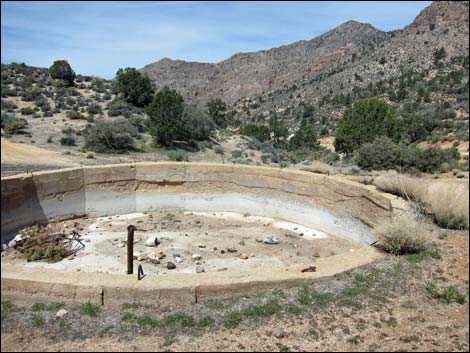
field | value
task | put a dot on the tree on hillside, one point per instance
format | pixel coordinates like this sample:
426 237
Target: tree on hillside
134 87
278 128
167 121
366 120
305 137
61 70
217 110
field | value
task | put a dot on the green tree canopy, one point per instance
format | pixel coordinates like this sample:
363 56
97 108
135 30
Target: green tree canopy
306 137
167 119
134 87
217 110
278 128
61 70
363 122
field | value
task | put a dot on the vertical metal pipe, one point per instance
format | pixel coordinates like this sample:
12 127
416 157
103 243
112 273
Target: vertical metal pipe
130 249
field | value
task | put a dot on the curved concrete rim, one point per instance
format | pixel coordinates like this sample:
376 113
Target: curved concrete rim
299 196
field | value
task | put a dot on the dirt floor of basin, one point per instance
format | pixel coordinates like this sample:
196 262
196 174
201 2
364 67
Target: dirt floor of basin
192 241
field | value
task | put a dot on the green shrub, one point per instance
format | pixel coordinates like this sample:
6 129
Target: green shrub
134 87
74 115
119 107
68 141
27 111
305 137
89 309
61 70
260 132
199 124
115 136
366 120
167 121
217 110
178 155
12 125
93 108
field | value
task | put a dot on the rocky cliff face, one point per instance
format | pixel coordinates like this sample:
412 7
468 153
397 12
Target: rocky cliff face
351 54
247 74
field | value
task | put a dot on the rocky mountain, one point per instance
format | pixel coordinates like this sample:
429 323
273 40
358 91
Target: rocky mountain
247 74
353 54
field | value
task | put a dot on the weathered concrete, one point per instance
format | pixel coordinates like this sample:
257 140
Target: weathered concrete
26 285
329 204
332 205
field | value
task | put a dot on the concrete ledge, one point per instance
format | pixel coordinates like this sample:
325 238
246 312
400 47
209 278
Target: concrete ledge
25 285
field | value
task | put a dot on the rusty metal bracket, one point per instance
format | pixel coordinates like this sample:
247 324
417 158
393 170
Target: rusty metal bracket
140 272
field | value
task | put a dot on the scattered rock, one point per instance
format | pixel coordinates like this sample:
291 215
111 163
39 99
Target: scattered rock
231 250
199 269
270 240
309 269
152 241
196 257
242 243
178 259
122 245
222 269
202 246
316 254
142 257
61 313
279 333
244 257
170 266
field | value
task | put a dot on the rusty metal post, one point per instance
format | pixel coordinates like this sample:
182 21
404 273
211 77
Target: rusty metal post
130 249
140 272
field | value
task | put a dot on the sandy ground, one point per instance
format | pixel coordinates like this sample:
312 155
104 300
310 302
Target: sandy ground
218 238
19 153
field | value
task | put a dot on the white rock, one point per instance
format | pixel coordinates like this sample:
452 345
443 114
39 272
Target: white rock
270 240
152 241
197 257
178 259
61 313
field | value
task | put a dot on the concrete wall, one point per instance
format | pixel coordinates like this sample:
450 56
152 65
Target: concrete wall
335 206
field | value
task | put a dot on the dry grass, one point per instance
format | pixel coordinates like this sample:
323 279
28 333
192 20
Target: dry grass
405 234
446 200
318 167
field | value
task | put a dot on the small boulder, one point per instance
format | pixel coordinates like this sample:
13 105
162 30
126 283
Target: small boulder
279 333
61 313
270 240
196 257
170 266
244 257
152 241
199 269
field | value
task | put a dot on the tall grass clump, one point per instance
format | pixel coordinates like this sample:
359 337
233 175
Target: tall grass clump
446 200
404 234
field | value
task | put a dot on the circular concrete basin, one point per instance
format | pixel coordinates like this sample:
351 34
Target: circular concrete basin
327 205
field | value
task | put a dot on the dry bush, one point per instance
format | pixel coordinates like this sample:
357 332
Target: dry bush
405 234
446 200
318 167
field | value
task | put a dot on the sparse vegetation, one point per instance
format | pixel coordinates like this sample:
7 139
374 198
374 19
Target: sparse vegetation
405 234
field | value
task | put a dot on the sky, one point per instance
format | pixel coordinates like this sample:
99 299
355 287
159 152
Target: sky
98 38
